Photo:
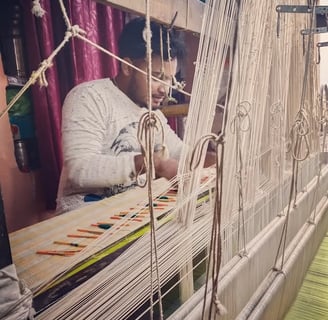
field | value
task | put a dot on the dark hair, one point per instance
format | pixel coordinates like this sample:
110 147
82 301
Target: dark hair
132 45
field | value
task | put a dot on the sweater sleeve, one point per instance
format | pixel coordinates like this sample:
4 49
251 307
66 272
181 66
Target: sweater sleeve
89 165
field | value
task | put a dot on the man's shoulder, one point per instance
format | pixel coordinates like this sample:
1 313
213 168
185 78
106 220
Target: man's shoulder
89 91
96 84
161 115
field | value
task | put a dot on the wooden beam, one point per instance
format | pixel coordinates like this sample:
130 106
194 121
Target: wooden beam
189 17
178 110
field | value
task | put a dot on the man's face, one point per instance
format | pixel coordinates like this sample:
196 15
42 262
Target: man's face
138 91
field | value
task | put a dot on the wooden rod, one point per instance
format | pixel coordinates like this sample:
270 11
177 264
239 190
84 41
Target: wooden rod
176 110
189 15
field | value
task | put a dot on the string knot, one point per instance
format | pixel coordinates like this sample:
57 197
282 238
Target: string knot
301 127
45 64
220 139
241 120
178 85
76 30
299 135
152 121
275 115
221 310
37 10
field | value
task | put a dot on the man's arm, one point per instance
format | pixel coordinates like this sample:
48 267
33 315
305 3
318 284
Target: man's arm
85 132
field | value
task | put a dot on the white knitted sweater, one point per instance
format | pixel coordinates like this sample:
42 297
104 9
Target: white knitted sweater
99 135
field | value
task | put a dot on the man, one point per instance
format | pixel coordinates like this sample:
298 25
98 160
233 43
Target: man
100 121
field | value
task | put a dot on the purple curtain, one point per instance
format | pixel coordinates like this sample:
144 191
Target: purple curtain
76 63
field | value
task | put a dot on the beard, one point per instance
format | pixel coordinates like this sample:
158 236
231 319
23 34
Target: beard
136 92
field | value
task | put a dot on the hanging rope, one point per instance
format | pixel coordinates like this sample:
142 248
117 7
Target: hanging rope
241 123
299 133
150 173
215 247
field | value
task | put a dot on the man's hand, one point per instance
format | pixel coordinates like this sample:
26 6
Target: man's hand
164 168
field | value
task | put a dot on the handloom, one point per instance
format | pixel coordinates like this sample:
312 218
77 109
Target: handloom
263 223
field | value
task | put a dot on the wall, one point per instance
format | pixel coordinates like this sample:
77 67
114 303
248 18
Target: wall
21 192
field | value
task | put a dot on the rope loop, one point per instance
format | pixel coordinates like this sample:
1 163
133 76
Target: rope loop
299 135
150 124
241 120
301 127
200 147
275 115
148 121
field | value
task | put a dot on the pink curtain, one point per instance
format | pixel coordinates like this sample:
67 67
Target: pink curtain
76 63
